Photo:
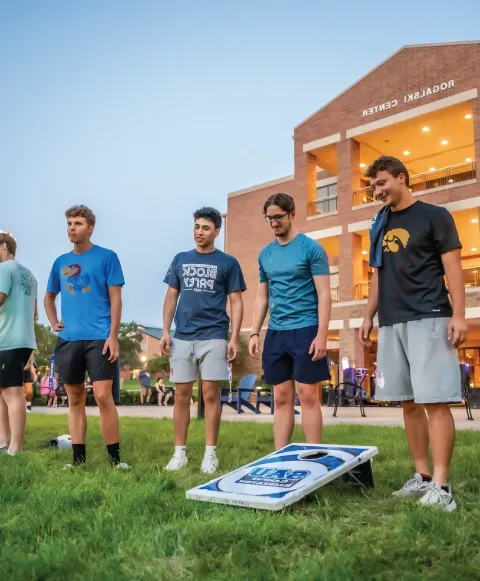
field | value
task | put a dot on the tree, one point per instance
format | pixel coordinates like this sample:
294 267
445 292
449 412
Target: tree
130 339
46 341
240 362
158 364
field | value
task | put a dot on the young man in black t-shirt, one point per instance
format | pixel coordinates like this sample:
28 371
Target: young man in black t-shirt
414 245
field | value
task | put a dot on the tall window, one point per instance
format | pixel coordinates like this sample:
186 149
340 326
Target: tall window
326 199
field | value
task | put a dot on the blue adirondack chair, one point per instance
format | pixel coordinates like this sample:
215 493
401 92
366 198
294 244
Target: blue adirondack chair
240 394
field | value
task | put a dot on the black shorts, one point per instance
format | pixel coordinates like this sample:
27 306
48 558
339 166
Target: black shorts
12 363
74 359
286 356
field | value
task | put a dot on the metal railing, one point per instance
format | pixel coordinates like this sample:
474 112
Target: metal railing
471 275
322 206
334 292
430 180
362 290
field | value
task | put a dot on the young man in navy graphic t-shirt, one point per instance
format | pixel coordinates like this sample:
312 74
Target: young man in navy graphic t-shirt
199 283
89 280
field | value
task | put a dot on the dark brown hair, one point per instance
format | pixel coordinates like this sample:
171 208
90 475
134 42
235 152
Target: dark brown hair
387 163
209 214
81 212
9 240
284 201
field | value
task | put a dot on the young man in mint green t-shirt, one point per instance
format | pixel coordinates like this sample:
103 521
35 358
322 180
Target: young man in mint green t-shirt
18 310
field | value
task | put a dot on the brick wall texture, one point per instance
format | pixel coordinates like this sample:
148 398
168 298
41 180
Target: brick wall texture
409 70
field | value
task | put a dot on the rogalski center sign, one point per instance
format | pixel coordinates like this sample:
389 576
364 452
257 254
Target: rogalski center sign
409 98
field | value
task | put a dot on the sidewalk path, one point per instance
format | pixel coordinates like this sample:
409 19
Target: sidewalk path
375 416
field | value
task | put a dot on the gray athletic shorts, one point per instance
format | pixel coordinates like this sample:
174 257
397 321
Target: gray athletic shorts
415 361
188 358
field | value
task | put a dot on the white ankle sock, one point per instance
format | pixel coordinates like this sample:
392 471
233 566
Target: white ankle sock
180 451
210 450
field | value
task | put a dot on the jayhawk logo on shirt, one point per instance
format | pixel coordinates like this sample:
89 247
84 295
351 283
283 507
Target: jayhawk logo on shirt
395 239
76 280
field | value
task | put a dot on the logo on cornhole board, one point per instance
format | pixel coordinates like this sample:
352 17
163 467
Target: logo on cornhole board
287 475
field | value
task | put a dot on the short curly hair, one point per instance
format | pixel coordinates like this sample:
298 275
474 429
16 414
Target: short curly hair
81 212
210 214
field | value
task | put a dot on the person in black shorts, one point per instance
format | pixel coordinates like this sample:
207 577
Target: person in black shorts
29 378
295 287
18 310
90 281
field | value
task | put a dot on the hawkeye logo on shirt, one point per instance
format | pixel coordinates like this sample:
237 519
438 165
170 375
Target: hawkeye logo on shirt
395 239
199 277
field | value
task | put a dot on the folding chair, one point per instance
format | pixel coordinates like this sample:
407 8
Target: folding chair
351 390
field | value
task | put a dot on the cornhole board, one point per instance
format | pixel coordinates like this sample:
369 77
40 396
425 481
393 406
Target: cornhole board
288 475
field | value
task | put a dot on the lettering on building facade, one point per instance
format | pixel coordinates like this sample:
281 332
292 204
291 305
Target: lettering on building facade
409 98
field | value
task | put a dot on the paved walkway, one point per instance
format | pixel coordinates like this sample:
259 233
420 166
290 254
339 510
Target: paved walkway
375 416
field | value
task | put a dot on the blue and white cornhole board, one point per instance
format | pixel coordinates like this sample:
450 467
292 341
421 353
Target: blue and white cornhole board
287 475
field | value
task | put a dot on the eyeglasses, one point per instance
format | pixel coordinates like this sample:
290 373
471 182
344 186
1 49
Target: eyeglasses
277 217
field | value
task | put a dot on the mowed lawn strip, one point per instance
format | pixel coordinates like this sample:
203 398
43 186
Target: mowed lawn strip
102 524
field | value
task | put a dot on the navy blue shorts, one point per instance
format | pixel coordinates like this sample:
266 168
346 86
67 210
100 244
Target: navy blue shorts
286 356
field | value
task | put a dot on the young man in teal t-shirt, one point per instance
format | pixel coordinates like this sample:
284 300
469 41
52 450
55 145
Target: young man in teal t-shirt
295 288
18 310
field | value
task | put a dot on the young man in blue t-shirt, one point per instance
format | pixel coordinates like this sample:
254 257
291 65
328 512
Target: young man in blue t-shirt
295 289
18 311
89 280
199 283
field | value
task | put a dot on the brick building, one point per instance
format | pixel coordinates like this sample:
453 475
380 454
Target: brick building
421 105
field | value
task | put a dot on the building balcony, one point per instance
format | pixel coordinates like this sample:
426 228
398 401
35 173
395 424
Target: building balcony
335 294
471 276
323 206
325 202
362 290
436 178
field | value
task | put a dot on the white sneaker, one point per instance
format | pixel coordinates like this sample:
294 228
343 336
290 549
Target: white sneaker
209 464
176 463
436 496
413 488
122 466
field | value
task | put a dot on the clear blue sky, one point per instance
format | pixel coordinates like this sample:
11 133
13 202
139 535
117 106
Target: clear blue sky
147 110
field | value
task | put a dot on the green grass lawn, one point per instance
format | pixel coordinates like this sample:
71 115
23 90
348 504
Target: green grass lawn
100 524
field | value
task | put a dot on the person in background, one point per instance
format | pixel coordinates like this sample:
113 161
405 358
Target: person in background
45 388
170 393
29 377
160 388
61 393
145 387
